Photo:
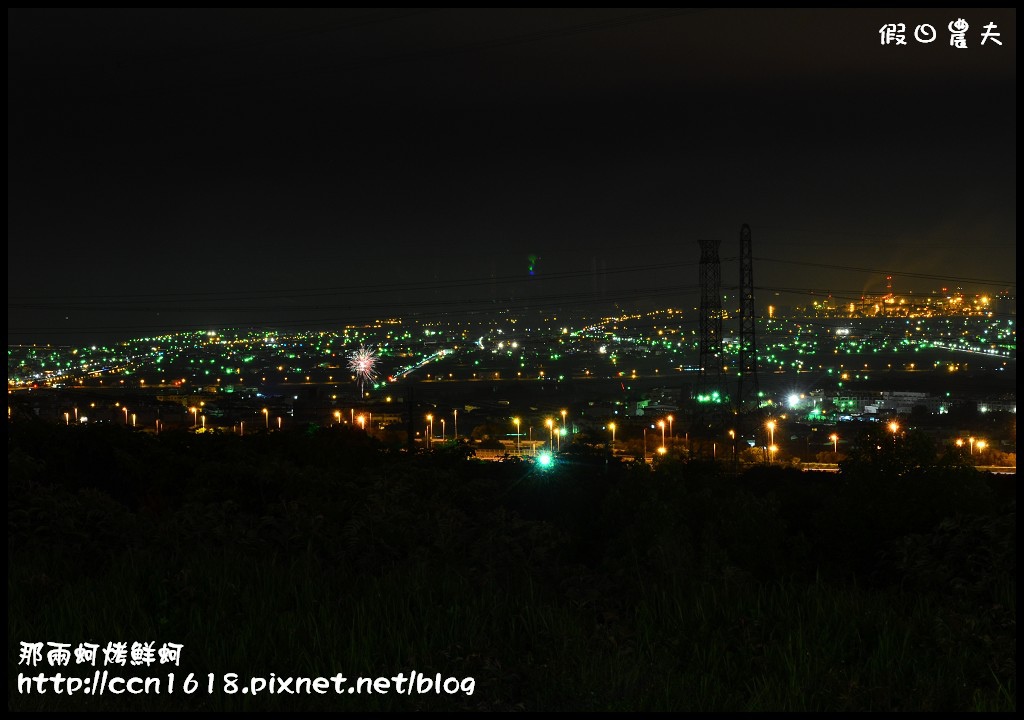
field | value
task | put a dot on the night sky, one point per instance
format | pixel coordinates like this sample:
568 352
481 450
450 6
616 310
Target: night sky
182 169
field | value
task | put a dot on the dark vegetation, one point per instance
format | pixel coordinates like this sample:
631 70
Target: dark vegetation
593 585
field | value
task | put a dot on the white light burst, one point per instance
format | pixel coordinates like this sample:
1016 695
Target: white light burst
363 363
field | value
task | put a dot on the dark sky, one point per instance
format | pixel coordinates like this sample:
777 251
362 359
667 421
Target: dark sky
175 169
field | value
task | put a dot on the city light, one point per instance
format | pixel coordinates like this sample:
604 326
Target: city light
246 366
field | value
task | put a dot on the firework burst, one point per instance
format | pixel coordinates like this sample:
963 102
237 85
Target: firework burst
363 363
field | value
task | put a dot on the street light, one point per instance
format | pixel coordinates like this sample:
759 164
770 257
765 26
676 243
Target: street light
771 432
516 421
455 431
195 415
551 432
671 435
430 429
564 413
772 450
894 428
835 442
125 415
67 418
611 426
337 416
362 422
442 430
661 424
266 414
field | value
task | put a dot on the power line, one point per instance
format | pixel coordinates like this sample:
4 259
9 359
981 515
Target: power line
407 286
895 273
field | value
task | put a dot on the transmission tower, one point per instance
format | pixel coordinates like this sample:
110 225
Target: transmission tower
748 395
709 382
